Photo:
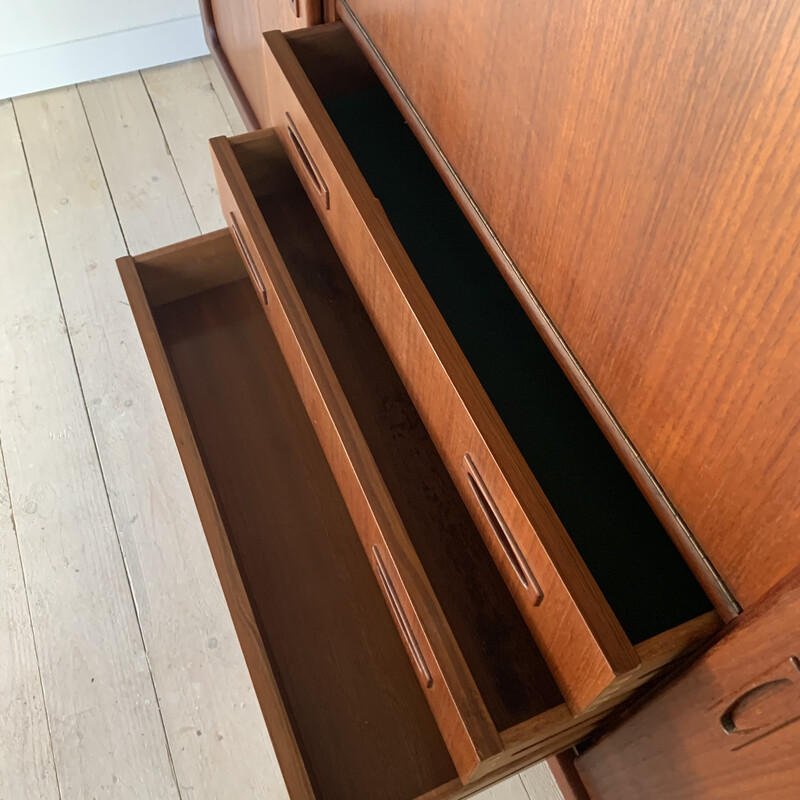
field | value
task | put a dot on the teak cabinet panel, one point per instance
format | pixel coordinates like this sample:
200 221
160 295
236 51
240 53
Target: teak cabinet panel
636 162
729 729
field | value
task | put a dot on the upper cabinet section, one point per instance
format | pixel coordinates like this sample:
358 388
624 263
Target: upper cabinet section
233 31
631 166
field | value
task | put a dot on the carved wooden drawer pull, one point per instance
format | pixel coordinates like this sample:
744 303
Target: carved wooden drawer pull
249 263
307 161
765 708
402 620
501 531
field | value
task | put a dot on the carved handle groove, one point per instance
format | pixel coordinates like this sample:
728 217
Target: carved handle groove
309 166
402 620
501 531
255 276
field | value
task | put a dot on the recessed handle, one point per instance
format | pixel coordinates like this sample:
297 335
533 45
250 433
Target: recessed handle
402 620
295 4
765 708
501 530
307 161
255 276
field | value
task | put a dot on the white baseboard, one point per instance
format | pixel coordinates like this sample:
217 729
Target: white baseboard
100 56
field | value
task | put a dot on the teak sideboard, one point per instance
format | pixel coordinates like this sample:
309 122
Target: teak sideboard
489 393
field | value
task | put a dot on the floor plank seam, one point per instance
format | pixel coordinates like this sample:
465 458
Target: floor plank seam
202 61
102 169
169 150
237 124
4 477
115 522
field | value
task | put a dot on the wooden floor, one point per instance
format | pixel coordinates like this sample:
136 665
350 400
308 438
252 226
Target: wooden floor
120 673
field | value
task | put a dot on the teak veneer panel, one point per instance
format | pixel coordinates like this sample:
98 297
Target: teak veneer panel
636 163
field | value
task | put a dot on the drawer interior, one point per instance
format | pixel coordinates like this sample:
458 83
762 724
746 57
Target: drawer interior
646 582
507 667
354 704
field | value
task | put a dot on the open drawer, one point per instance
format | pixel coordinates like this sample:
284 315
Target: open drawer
590 567
344 704
346 712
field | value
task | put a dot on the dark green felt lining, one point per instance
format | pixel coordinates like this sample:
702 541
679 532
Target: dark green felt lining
639 570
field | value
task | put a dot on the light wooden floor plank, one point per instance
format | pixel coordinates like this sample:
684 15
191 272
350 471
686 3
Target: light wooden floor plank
534 783
190 113
540 783
106 731
141 173
218 739
509 789
26 757
221 88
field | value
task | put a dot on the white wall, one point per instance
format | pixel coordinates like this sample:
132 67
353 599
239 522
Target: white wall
47 43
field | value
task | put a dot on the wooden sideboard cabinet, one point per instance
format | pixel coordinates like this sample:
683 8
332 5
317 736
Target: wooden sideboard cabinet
488 396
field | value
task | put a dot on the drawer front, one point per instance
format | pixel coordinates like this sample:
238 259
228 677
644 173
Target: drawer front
578 634
468 731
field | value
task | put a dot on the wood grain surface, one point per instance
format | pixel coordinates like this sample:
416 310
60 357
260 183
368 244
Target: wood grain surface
728 728
29 766
190 113
235 119
154 210
635 161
